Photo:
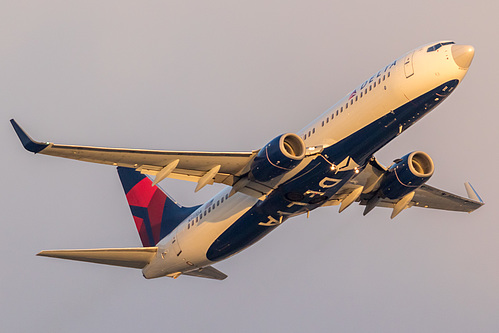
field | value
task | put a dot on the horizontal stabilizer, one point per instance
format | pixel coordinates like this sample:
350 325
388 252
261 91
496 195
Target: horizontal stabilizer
207 272
125 257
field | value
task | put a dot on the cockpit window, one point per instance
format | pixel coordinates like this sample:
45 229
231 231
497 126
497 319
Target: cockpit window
437 46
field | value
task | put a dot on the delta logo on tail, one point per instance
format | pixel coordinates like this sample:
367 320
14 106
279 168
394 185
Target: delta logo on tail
154 213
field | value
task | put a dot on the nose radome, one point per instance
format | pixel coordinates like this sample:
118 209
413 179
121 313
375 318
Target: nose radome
463 55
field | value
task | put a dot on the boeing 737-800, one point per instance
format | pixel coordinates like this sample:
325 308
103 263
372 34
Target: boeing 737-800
329 162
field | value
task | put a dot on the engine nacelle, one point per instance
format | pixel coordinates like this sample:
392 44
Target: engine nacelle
407 174
279 156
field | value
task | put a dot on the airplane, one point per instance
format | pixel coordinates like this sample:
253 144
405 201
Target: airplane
330 162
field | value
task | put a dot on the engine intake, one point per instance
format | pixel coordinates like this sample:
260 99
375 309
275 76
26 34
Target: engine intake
407 174
278 157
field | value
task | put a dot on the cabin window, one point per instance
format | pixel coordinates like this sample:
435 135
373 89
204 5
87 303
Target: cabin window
379 81
204 213
327 120
365 91
218 203
356 98
341 110
361 94
332 116
209 209
383 77
305 137
388 74
313 130
374 84
189 225
370 87
323 123
213 206
227 196
346 106
222 200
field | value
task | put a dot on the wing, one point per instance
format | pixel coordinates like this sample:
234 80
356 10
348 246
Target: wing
201 167
363 189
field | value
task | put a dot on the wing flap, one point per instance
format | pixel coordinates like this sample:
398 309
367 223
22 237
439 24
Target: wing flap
124 257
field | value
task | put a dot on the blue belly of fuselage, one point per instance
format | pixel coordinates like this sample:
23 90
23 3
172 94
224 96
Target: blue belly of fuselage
305 192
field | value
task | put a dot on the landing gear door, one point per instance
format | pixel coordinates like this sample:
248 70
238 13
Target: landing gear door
408 65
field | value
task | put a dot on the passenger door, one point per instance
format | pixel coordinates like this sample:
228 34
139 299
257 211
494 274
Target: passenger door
408 65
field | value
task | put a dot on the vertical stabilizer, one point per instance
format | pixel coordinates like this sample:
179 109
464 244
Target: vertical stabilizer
155 213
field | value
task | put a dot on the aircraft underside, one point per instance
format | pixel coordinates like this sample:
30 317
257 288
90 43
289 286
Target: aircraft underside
314 185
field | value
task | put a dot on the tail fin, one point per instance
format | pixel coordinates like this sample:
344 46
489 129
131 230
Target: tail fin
154 212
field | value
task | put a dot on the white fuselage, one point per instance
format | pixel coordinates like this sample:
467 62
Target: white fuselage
396 84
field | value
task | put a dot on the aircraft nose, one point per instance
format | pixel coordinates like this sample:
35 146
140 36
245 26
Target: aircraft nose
463 55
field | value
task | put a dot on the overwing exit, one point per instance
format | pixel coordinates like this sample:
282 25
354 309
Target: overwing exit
330 162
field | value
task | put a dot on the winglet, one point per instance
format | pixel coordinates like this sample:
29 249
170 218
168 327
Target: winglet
28 143
472 194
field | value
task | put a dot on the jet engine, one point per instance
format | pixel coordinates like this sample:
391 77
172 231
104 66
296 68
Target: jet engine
407 174
279 156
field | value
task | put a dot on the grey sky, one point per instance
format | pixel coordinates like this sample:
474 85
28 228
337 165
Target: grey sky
230 76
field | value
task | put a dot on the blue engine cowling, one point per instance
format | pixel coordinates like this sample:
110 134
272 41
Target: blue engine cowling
278 156
406 175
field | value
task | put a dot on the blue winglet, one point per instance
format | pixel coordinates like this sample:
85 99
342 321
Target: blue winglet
28 143
472 193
